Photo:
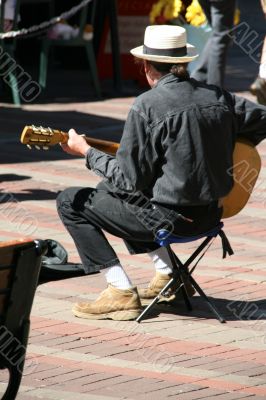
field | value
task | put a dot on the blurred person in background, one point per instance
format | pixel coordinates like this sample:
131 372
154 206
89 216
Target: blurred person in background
258 88
9 13
212 62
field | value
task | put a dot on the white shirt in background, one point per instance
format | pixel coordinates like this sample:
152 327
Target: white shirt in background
10 6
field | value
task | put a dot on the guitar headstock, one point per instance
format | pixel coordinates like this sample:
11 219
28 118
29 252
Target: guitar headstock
42 138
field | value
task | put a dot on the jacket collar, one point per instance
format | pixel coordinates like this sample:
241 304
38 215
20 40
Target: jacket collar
165 79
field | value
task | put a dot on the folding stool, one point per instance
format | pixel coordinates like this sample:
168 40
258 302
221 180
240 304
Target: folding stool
181 271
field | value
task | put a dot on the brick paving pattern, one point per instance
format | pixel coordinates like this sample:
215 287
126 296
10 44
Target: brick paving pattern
173 354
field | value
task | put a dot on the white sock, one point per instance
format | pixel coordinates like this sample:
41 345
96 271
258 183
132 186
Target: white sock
161 261
117 277
263 70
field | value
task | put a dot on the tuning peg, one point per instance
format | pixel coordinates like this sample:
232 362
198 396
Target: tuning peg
45 148
29 146
50 131
37 147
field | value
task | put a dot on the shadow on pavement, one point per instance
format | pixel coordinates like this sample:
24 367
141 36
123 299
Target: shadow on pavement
32 194
231 310
13 177
13 120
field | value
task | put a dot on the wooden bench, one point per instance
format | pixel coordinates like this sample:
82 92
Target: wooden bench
20 263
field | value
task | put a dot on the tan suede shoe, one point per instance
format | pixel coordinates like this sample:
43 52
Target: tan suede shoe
157 284
113 303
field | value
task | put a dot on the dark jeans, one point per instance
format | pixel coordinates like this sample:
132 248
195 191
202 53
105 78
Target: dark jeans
212 61
85 212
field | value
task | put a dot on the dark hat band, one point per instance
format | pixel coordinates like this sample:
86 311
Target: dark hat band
174 52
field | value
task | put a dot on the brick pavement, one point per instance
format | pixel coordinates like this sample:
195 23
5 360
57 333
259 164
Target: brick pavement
172 354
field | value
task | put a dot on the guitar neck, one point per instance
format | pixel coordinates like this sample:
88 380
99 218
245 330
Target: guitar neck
103 145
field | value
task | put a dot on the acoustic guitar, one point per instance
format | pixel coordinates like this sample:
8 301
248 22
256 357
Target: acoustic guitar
245 170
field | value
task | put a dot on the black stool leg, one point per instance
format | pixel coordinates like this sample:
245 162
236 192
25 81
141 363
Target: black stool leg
206 298
178 274
155 300
187 273
180 271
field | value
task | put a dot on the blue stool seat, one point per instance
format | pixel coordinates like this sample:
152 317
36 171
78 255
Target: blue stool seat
164 237
181 272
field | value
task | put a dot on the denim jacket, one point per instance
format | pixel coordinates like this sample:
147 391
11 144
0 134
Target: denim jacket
178 142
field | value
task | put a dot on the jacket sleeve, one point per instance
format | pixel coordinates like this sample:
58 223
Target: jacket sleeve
251 120
133 167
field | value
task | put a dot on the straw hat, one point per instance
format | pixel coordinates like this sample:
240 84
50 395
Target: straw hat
166 44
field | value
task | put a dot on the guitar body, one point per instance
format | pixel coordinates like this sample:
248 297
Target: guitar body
245 171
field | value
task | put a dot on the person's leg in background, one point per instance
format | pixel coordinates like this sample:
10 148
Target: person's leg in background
258 88
220 14
201 71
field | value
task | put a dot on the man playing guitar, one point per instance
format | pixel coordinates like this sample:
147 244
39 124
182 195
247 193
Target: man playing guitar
171 170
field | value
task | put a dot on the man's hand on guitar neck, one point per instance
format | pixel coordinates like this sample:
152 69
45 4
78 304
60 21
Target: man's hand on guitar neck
76 145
